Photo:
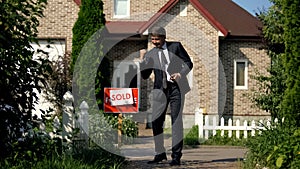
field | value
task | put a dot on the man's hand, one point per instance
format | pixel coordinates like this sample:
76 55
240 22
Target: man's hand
142 53
175 77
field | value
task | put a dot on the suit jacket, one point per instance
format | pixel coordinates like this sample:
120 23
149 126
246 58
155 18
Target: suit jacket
180 62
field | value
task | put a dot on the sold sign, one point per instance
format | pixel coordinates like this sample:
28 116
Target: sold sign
121 97
121 100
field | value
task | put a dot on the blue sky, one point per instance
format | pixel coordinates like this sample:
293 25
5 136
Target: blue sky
253 6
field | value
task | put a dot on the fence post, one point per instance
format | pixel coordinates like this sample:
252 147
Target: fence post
261 122
245 130
230 131
68 117
237 132
84 123
222 125
206 126
200 123
214 125
253 128
56 126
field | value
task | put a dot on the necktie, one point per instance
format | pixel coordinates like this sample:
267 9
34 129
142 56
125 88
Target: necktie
163 63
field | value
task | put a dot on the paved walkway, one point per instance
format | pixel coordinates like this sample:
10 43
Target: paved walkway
209 157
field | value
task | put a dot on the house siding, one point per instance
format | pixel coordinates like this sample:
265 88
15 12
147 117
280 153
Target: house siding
238 101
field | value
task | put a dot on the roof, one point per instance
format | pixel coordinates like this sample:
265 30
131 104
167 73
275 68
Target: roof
225 15
235 20
124 27
78 2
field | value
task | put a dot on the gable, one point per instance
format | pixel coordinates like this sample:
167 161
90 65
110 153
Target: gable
226 16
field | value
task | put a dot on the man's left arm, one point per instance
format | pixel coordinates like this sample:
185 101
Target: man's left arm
183 65
187 63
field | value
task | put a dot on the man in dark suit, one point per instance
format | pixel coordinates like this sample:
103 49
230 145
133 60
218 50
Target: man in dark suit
170 63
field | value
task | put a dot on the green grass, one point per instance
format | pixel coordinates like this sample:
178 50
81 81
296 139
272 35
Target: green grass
89 159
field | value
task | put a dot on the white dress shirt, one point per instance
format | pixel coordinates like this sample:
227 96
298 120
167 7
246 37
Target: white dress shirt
166 53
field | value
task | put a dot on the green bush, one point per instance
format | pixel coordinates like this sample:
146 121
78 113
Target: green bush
277 147
129 127
192 137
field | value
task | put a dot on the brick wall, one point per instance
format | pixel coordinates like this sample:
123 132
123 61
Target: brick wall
60 16
199 38
238 102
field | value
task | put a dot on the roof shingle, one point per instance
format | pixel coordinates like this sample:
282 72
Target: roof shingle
236 20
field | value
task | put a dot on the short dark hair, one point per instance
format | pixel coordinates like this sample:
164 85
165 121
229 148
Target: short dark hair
158 31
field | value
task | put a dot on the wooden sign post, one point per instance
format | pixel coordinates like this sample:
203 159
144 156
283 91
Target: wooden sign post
121 101
120 120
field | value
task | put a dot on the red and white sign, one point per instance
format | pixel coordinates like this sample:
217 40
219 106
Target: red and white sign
121 97
121 100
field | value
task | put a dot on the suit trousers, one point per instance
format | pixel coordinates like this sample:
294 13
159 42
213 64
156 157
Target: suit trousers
161 99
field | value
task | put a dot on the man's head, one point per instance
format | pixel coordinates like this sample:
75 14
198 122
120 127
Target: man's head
158 36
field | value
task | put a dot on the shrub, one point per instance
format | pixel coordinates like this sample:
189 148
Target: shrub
192 137
129 127
277 147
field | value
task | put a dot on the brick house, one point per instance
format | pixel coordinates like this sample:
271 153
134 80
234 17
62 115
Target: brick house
222 39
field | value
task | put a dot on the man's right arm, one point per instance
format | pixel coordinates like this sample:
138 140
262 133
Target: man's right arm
146 64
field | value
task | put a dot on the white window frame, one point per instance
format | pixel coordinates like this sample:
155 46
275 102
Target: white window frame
183 10
127 15
245 86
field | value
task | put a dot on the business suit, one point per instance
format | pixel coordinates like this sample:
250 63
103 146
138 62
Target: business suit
179 64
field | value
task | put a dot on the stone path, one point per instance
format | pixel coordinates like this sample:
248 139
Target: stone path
208 157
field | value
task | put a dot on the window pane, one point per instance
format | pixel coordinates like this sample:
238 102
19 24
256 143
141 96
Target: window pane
121 7
240 73
126 74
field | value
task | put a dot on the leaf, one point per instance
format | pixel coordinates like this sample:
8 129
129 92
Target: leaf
269 157
29 153
279 161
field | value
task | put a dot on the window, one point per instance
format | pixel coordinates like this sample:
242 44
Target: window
241 74
126 74
183 10
121 8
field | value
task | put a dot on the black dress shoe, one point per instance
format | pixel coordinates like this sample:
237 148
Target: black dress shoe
158 158
174 162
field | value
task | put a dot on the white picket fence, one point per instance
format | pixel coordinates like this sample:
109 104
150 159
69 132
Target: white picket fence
70 122
206 129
